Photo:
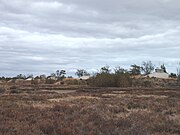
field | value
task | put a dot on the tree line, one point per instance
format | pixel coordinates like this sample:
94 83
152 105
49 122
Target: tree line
146 68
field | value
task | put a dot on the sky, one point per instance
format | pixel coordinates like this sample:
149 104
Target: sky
41 36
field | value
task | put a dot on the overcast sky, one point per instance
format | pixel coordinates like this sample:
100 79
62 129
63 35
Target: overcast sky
41 36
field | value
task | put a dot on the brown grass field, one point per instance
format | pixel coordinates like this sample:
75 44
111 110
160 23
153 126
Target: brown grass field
91 111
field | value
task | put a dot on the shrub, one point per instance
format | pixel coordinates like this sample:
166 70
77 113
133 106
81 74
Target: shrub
2 90
123 80
76 82
105 80
50 81
14 91
71 82
147 83
111 80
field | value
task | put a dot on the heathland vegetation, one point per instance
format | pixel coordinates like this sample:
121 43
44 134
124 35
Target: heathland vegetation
112 101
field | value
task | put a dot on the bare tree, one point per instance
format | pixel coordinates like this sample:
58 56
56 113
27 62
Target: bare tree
147 67
81 72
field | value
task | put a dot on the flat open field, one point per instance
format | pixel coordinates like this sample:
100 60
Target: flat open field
104 111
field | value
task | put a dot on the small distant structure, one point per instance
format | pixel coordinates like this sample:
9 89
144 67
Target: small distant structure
159 73
86 77
52 78
42 77
29 79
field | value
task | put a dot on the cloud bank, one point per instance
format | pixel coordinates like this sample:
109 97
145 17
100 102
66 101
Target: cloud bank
41 36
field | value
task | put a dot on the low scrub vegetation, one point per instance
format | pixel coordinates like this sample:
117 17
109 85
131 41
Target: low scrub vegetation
111 80
99 111
2 90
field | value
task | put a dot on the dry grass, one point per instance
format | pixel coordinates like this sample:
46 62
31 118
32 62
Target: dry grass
71 98
110 111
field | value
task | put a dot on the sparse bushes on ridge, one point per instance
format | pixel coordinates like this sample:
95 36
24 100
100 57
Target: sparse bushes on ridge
127 80
153 82
106 77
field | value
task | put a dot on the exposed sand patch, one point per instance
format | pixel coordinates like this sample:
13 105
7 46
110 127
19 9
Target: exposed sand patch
36 105
119 92
42 105
60 91
118 95
154 96
70 98
121 115
113 95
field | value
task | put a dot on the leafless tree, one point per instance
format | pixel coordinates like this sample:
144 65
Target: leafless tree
147 67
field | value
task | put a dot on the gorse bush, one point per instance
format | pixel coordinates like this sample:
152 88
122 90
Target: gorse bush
111 80
50 81
104 79
123 80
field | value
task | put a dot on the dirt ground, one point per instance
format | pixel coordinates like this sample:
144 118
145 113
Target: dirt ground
103 111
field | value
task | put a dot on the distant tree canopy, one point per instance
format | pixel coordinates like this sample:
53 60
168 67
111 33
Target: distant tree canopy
147 67
105 77
29 76
81 72
118 70
21 76
60 74
135 69
105 69
163 68
173 75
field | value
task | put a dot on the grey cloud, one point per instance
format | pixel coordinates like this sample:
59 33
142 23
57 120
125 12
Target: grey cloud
92 18
40 36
